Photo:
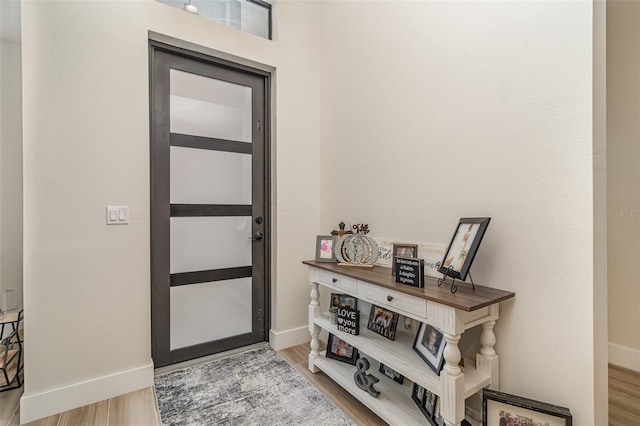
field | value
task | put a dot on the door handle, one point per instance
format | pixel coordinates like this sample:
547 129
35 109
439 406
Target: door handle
257 236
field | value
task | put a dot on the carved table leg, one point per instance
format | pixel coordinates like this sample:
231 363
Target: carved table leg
452 380
314 312
487 360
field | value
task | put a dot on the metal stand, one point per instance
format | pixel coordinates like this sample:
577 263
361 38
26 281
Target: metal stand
454 287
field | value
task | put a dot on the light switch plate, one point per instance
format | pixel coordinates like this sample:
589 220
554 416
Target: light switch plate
117 215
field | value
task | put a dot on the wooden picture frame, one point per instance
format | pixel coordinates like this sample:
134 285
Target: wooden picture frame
463 247
499 407
340 350
430 344
383 321
344 300
402 250
325 248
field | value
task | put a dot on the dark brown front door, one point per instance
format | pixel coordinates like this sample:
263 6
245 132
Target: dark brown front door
209 205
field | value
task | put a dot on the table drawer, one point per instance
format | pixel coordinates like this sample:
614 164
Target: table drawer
393 300
339 281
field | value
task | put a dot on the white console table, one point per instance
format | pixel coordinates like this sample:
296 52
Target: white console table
451 313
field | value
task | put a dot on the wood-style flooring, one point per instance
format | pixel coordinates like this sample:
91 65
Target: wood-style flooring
140 408
624 396
135 408
298 357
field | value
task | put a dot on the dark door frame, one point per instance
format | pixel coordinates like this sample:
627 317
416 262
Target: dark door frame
160 210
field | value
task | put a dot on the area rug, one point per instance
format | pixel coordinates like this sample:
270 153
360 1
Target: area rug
257 387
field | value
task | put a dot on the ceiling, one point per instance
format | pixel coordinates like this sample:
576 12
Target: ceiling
10 20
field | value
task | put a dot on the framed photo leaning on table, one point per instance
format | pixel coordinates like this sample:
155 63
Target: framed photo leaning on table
340 350
499 408
430 344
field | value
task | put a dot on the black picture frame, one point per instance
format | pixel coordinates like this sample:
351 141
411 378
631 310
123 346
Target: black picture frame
325 248
344 300
391 373
431 351
419 396
402 250
499 405
463 247
340 350
437 415
383 321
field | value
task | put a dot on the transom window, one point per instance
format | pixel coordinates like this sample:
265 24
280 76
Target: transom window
251 16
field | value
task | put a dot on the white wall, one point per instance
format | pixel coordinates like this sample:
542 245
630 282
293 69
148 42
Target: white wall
86 145
434 111
10 169
623 149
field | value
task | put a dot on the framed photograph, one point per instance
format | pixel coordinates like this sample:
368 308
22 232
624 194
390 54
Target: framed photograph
392 374
430 344
383 322
463 247
500 408
430 402
419 396
403 250
437 416
324 248
343 300
340 350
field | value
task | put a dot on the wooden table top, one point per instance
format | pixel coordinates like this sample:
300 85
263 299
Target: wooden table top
466 298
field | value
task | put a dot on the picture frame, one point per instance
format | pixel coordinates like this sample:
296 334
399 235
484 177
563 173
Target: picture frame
437 414
402 250
463 247
423 398
429 344
383 321
391 373
429 402
499 407
340 350
324 248
343 300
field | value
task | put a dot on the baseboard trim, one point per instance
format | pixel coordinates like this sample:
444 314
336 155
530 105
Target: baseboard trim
44 404
623 356
285 339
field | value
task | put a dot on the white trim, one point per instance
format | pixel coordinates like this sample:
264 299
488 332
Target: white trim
624 357
285 339
44 404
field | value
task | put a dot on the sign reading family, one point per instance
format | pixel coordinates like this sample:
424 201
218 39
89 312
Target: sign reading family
410 271
348 320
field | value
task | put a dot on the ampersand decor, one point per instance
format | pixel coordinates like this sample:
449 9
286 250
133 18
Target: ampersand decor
363 380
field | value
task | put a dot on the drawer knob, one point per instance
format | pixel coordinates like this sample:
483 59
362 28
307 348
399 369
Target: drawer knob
389 298
335 280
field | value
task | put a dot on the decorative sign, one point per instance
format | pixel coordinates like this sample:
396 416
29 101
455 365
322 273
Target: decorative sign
348 320
363 380
410 271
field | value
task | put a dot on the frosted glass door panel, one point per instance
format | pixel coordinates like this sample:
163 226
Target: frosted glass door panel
203 106
201 176
209 311
204 243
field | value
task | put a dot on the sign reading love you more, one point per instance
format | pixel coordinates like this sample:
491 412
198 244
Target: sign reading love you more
348 320
410 271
